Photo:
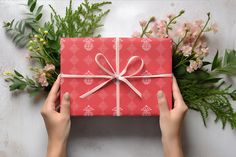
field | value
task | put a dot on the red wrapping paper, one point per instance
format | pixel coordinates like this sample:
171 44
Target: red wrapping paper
77 57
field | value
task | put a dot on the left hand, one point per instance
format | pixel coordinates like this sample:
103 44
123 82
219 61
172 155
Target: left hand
57 123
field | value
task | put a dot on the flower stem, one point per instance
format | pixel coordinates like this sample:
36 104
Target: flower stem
170 22
145 28
199 35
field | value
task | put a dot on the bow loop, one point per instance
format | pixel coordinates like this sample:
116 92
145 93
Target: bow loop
98 59
131 62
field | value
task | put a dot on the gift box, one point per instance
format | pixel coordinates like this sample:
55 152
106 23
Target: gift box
116 76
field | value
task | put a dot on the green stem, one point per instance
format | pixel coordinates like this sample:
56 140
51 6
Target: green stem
145 28
199 35
170 22
176 48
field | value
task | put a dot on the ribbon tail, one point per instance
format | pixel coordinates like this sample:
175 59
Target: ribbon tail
132 87
95 89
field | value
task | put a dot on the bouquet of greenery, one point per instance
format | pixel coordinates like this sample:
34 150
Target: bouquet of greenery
201 82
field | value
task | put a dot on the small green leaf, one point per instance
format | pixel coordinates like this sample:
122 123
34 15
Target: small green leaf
38 17
39 9
32 6
29 2
217 61
18 74
205 63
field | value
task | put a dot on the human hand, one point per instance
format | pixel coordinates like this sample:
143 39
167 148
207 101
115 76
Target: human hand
171 121
57 123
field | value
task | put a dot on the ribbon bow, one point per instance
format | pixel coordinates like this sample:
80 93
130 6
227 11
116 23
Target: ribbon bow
112 74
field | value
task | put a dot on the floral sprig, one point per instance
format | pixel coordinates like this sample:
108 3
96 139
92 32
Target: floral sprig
189 38
203 89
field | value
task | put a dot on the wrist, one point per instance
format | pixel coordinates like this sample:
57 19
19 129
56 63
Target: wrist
172 146
56 149
170 138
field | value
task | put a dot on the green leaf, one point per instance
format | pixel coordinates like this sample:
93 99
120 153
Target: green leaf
32 5
216 62
29 2
204 63
18 74
39 9
38 17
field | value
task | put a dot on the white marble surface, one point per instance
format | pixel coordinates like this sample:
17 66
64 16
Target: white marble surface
22 131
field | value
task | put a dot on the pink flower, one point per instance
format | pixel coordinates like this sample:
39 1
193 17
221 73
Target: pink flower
43 80
194 65
154 27
136 34
143 23
189 69
49 67
199 23
205 51
171 16
214 28
180 32
186 50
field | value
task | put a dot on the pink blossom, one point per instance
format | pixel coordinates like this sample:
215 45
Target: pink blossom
199 23
180 32
186 50
194 65
189 69
143 23
43 80
49 67
154 27
214 28
171 16
205 51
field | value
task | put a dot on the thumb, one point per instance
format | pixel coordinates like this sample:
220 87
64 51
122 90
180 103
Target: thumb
162 103
65 104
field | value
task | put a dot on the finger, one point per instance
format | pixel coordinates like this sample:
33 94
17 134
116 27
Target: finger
52 96
65 104
162 103
176 92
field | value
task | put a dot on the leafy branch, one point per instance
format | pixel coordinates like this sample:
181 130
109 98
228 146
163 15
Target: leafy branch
20 31
43 41
202 92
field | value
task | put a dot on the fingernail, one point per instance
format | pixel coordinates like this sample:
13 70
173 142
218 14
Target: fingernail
59 76
160 94
67 96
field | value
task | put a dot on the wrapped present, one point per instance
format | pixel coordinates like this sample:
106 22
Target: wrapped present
116 76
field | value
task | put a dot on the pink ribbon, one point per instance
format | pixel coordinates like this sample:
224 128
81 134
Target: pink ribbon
116 75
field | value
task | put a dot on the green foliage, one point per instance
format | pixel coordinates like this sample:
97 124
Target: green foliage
82 22
43 41
201 89
205 97
21 31
226 65
19 82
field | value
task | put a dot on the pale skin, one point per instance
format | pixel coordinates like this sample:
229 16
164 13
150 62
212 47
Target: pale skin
58 122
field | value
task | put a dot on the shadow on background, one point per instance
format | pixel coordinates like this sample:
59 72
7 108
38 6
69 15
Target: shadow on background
122 127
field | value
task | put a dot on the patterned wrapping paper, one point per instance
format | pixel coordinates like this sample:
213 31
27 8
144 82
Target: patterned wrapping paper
78 58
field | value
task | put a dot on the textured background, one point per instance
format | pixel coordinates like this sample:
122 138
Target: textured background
22 131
